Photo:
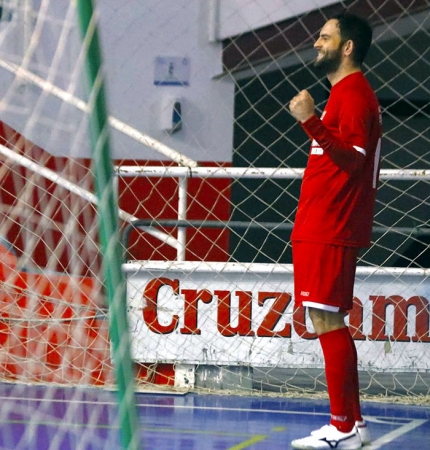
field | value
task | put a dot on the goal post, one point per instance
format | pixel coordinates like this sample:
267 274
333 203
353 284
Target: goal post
107 209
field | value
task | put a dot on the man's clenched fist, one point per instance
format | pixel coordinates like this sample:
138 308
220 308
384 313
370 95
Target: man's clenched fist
302 106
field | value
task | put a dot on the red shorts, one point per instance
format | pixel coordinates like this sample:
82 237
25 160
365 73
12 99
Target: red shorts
324 275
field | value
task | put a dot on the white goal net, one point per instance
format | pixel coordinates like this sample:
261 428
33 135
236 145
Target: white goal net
209 164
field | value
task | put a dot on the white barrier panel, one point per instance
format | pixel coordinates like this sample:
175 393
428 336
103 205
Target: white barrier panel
242 314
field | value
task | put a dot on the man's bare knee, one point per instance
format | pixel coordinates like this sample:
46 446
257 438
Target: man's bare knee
325 321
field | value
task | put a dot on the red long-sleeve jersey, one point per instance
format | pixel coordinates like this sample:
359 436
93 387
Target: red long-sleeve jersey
337 196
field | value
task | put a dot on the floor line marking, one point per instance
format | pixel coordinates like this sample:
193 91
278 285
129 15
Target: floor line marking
247 410
392 435
246 444
256 438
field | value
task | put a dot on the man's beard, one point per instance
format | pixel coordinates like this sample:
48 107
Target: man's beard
330 62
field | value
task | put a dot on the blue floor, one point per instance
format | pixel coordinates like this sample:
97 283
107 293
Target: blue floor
232 422
50 419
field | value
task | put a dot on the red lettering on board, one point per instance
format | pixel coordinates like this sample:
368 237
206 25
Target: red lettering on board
150 315
192 297
356 317
299 323
401 310
406 312
244 320
274 315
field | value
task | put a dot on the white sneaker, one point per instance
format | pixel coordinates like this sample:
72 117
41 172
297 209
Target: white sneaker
329 437
363 431
362 428
321 432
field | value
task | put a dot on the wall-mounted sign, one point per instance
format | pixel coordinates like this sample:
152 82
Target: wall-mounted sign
172 71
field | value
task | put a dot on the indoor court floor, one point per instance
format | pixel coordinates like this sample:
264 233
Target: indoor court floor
34 417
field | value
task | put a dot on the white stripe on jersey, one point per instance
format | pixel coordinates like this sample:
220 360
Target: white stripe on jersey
317 150
359 149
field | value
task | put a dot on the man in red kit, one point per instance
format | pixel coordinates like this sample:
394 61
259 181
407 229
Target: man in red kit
334 217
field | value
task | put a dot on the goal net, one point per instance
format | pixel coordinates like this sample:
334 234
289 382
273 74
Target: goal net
209 164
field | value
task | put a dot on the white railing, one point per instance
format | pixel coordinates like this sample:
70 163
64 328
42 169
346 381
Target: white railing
184 173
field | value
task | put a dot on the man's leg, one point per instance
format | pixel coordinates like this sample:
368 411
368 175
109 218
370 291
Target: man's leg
324 278
360 423
355 381
340 363
340 367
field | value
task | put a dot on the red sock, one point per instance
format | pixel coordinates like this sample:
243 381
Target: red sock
340 369
354 379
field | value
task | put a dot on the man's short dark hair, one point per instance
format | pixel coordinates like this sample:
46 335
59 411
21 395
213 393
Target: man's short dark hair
357 30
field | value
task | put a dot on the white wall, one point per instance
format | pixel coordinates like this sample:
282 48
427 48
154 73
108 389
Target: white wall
240 16
133 34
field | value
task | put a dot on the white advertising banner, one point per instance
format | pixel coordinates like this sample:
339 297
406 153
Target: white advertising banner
243 314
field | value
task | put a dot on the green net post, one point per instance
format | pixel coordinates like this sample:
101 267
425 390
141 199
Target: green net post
108 227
